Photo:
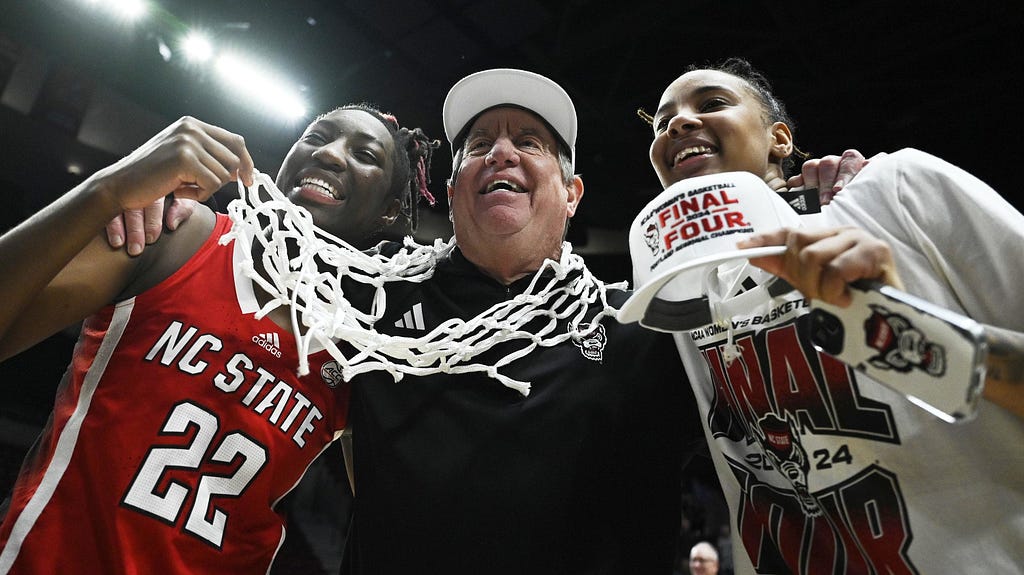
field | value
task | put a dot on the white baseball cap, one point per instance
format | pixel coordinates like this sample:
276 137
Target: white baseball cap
483 90
689 228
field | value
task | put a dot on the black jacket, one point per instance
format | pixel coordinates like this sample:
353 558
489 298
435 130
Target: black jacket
460 474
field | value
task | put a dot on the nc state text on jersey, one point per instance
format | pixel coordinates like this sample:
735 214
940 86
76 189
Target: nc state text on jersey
187 348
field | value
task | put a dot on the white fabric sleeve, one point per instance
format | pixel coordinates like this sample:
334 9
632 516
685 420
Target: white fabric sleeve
957 242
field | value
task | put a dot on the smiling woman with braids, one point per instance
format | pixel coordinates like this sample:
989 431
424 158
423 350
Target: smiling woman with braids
316 186
182 421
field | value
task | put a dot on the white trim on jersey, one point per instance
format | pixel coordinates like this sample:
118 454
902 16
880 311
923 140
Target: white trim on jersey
68 438
244 290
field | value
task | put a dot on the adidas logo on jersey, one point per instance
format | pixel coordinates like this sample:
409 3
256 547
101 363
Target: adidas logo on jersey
413 319
269 341
803 201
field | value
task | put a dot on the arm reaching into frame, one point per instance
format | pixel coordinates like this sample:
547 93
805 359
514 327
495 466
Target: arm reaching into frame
49 280
829 174
1004 369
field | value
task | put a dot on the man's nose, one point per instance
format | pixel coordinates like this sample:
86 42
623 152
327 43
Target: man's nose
503 151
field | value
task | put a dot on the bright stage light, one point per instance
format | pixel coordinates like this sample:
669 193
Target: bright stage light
127 10
259 86
131 9
197 47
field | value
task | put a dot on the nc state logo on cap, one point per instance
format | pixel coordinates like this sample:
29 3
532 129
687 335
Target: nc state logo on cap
694 216
692 226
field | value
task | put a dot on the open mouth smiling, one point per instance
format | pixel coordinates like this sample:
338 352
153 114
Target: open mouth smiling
503 185
321 187
692 151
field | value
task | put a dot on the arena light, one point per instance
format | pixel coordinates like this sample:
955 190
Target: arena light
259 86
196 47
125 10
130 10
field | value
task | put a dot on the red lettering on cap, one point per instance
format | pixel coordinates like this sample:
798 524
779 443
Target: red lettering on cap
735 220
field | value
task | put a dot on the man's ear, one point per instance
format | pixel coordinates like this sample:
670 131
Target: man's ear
575 194
781 141
451 192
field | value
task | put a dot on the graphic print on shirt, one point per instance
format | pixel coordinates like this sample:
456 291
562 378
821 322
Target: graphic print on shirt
788 420
193 462
592 344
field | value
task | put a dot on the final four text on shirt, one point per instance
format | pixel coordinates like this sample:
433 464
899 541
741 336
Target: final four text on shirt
703 214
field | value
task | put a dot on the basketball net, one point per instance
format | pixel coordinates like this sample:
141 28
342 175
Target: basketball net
310 285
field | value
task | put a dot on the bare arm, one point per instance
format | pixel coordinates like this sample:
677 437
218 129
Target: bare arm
1004 375
48 258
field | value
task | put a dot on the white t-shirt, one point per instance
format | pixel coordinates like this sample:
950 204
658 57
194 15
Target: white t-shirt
826 471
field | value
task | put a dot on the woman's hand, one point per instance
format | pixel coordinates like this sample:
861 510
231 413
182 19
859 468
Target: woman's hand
822 262
189 159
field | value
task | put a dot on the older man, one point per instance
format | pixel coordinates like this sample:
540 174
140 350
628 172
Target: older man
457 473
703 559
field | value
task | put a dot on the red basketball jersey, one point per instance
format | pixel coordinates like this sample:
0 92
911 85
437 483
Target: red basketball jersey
178 427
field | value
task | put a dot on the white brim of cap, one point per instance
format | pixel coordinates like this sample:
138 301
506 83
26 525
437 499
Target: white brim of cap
502 86
635 307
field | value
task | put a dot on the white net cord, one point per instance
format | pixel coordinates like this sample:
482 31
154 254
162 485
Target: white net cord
303 266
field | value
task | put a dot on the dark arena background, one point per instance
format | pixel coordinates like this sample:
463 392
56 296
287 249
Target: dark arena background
83 83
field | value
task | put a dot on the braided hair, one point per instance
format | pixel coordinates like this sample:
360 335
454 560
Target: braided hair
413 153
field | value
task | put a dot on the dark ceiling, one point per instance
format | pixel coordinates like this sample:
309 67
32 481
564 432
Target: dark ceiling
875 75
